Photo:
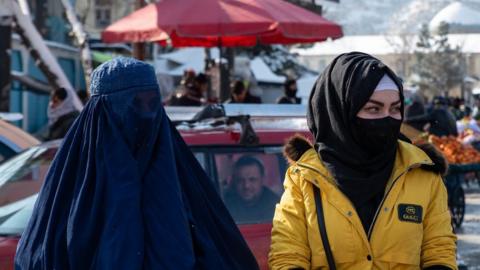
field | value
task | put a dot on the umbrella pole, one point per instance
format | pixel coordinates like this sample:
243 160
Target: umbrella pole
139 47
224 77
207 68
139 50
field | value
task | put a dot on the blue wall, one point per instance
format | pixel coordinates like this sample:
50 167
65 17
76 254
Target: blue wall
16 90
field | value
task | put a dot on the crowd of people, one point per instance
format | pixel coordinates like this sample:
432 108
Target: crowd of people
442 116
193 89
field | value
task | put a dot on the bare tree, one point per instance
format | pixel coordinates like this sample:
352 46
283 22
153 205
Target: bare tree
403 45
439 65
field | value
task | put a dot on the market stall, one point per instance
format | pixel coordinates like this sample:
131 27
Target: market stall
463 156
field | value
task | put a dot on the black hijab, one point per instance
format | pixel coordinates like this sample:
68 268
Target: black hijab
339 93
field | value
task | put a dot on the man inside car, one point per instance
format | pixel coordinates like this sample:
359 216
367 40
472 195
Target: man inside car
248 199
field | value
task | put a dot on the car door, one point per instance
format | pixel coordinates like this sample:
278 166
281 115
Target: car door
251 201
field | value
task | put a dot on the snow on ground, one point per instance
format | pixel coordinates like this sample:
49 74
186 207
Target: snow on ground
469 233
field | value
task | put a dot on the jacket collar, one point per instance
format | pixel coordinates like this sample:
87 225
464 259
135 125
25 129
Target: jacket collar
408 157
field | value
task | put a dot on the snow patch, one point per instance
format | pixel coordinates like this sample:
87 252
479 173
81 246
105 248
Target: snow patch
456 13
263 73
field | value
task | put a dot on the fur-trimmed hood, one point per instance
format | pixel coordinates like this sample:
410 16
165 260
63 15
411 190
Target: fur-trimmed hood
297 145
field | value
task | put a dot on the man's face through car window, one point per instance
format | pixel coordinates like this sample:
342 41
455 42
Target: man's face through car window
248 181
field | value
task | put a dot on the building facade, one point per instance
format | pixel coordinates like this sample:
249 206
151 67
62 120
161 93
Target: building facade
98 14
398 52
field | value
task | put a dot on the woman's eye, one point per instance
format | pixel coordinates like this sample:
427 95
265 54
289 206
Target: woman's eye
372 109
396 109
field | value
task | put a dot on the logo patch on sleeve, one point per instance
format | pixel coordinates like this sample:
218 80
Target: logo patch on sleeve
410 213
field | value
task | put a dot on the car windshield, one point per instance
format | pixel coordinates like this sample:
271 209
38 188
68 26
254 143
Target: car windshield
250 181
23 175
14 217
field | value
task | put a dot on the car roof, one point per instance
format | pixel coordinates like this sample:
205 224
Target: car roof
268 131
222 124
16 138
224 136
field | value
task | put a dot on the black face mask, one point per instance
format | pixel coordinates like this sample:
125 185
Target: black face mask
377 135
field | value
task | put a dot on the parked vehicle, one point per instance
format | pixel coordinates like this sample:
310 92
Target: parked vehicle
13 140
218 142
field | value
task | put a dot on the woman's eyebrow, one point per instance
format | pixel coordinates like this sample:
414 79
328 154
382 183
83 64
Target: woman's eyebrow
396 103
379 103
376 102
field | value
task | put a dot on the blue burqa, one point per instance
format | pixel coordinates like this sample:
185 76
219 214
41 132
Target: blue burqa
125 192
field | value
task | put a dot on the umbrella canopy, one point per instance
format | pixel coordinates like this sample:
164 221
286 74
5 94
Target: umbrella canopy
225 23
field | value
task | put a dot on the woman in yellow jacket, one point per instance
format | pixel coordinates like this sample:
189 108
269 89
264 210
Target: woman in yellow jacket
361 198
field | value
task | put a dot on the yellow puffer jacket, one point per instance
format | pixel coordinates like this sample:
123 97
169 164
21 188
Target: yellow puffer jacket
411 230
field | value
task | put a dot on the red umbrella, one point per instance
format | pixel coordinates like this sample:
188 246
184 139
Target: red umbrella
210 23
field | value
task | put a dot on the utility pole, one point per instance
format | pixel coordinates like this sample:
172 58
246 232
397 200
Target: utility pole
139 47
82 41
5 47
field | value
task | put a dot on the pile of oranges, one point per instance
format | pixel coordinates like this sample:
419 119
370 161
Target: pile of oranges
455 152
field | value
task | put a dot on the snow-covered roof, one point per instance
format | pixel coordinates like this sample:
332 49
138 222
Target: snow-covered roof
383 45
456 13
304 86
190 55
187 58
263 73
176 62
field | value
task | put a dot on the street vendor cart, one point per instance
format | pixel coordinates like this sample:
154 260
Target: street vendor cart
456 194
462 159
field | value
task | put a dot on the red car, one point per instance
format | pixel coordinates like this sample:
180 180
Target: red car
224 146
13 140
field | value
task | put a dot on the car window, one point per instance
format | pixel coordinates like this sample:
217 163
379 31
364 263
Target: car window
251 182
202 159
23 175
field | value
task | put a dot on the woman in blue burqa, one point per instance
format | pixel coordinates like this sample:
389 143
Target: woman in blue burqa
125 192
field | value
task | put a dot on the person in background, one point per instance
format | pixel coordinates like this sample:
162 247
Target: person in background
440 120
476 107
360 197
455 105
193 93
61 114
290 93
240 94
467 122
249 200
414 107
